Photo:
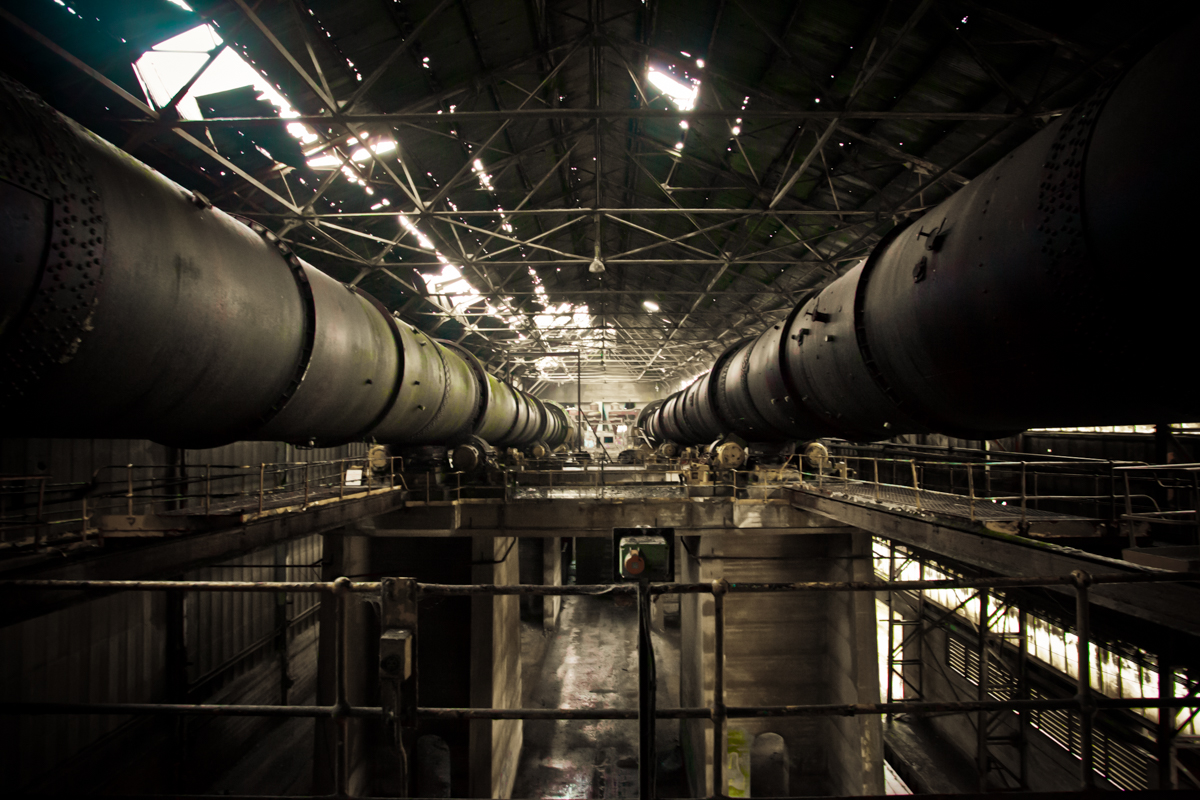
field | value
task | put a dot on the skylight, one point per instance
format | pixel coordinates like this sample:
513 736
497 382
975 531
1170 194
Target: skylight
682 93
168 66
360 154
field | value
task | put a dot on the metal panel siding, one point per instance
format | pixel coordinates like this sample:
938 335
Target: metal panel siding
222 628
111 649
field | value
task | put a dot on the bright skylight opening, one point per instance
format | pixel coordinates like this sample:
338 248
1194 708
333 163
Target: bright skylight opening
411 228
360 154
682 93
168 66
485 183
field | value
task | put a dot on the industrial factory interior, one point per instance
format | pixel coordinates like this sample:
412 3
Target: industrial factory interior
599 398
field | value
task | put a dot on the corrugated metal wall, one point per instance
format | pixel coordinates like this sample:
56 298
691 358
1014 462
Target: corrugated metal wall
112 649
228 633
116 648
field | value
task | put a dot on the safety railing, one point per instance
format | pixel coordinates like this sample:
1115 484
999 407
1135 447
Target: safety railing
399 602
980 483
1020 650
34 511
598 481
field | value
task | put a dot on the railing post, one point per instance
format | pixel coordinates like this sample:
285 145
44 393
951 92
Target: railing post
83 533
647 688
1022 497
262 478
1129 512
982 756
916 484
719 587
1087 707
1112 497
207 489
129 489
341 707
890 697
971 488
1168 777
398 674
1023 694
41 497
306 483
875 462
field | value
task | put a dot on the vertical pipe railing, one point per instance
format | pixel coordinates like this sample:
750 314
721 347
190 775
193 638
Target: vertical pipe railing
647 689
207 489
971 488
262 479
982 756
41 497
1168 777
719 588
1023 694
891 640
916 484
1022 497
1087 708
341 717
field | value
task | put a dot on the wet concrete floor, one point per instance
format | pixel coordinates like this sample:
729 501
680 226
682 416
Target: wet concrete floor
590 661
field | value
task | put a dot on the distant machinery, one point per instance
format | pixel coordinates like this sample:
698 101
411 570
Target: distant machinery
1051 290
132 308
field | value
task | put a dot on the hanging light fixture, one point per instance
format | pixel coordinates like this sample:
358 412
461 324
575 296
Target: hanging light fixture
597 266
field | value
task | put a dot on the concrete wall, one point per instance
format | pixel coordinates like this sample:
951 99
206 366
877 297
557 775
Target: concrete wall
787 648
856 743
495 668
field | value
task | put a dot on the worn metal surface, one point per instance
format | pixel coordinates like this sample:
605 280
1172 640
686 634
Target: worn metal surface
188 345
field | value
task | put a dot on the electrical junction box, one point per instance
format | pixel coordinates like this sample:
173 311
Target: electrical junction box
644 554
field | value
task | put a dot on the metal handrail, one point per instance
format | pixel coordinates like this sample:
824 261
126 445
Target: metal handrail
1085 701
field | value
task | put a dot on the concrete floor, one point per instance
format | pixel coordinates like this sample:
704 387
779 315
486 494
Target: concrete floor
590 661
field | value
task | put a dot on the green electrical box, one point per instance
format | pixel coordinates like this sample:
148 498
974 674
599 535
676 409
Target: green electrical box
644 554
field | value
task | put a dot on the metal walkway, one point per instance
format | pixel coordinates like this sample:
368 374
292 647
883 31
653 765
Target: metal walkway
904 498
